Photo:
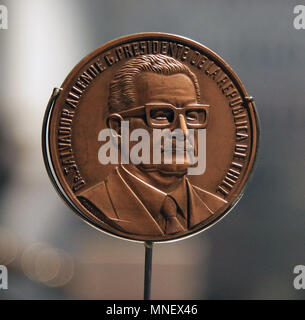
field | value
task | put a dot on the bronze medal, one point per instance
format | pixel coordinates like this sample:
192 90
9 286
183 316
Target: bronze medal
151 137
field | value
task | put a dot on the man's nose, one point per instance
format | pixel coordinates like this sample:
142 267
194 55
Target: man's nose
183 125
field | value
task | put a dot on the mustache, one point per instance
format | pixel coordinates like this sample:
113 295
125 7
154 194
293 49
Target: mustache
189 147
174 148
166 173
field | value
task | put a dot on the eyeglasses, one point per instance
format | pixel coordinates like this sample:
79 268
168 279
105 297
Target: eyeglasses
163 115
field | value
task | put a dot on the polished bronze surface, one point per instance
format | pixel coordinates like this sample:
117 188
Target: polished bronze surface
153 81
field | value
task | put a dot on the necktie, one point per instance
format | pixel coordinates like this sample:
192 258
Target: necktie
169 211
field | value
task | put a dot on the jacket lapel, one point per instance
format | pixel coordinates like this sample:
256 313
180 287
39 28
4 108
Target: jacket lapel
198 210
131 214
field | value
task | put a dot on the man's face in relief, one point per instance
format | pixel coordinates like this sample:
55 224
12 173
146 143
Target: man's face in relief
170 100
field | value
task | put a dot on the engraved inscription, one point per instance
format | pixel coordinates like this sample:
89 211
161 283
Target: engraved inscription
230 179
64 141
65 149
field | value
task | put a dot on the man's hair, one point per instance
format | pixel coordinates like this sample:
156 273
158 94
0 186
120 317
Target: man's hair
122 93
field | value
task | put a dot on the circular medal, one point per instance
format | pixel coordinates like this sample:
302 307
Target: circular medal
151 137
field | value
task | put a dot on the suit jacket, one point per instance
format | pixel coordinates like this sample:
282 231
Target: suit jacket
114 202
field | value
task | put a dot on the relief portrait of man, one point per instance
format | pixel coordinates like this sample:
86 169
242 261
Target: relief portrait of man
153 199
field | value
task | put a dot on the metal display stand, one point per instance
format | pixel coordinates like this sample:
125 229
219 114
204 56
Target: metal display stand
148 269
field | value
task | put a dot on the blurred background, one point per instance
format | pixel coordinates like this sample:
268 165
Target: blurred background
51 254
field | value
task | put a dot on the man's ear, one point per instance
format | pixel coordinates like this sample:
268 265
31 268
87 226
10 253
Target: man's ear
113 122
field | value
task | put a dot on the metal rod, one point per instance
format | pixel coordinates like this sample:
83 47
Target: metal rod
148 269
